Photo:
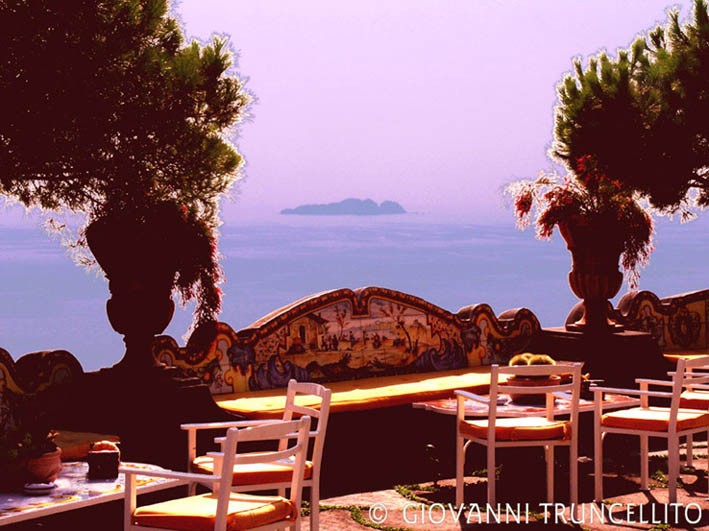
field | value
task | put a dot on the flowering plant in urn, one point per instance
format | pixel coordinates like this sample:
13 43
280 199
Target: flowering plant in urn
601 222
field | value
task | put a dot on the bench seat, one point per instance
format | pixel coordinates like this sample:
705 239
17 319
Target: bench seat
690 354
366 393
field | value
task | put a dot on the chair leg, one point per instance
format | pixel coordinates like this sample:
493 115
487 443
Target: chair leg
549 457
690 453
459 466
491 474
129 503
673 467
644 469
598 464
315 506
574 475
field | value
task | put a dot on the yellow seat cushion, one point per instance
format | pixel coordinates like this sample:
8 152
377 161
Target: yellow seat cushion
197 513
366 393
654 419
253 474
518 429
75 445
694 400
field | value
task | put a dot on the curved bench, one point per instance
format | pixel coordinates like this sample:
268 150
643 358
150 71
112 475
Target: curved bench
27 382
374 347
677 323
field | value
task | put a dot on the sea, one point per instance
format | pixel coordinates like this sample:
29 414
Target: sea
48 302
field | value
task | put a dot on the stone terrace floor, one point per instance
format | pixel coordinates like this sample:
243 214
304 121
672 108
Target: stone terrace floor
425 506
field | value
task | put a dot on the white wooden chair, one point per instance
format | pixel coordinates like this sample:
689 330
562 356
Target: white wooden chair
695 396
274 475
222 509
646 421
546 431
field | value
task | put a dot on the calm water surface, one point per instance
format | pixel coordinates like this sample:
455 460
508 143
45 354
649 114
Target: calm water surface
47 302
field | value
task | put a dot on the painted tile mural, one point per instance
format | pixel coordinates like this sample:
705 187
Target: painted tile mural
21 380
345 335
675 323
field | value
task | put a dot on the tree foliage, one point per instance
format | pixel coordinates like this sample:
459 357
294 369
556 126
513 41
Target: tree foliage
105 110
643 115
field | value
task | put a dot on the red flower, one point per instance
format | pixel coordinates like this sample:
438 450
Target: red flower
590 193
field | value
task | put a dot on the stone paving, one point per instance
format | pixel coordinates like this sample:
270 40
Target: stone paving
430 507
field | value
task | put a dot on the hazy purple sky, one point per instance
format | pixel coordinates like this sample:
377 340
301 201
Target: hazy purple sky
435 104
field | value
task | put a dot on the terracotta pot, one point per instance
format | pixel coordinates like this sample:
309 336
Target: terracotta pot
44 468
139 259
594 277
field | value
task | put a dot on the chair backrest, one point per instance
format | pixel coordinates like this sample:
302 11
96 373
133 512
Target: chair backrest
321 413
285 430
692 378
544 373
685 377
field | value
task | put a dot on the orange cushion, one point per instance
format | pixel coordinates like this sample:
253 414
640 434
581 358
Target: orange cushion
654 419
197 513
253 474
364 394
518 429
75 445
694 400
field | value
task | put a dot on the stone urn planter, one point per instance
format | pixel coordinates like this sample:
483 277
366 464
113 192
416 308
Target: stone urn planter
139 258
594 277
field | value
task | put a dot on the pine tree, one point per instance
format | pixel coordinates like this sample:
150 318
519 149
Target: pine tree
643 114
106 111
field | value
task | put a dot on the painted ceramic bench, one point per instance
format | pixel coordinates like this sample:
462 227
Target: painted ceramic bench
27 384
374 347
677 323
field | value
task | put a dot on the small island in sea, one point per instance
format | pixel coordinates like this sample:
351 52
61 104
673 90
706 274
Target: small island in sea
348 207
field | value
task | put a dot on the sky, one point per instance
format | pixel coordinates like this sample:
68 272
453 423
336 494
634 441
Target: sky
434 104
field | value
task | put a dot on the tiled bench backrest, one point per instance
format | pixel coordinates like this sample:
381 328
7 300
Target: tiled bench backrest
31 374
677 323
344 335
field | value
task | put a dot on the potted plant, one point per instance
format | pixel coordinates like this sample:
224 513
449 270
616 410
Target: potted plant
115 119
28 453
600 221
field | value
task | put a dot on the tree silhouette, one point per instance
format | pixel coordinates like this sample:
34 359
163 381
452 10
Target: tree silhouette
107 112
643 114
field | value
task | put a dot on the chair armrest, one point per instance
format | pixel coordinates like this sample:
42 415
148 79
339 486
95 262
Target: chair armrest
618 391
473 396
226 425
169 474
560 394
221 440
696 386
650 381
